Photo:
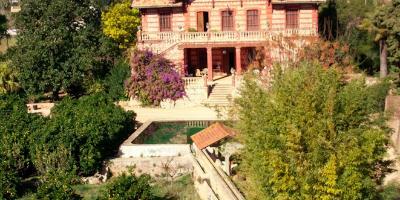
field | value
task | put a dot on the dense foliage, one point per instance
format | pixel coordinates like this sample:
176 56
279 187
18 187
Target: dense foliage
311 136
60 46
57 185
16 128
153 79
90 129
129 187
8 79
121 23
114 82
385 23
328 54
340 19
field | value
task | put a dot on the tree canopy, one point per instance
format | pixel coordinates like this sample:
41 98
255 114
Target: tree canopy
16 129
60 46
129 187
90 129
120 22
312 136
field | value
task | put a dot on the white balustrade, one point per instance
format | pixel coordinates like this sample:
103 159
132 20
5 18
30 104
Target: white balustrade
223 36
165 40
193 81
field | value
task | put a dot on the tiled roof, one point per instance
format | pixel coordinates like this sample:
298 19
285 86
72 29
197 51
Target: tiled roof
156 3
211 135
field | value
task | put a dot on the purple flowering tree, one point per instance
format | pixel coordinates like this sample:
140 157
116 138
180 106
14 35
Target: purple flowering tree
153 79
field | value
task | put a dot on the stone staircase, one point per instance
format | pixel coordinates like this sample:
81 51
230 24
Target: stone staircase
220 95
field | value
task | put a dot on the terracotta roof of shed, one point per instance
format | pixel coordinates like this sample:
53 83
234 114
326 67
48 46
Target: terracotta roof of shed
211 135
156 3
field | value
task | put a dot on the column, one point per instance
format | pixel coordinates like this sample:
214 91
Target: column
238 61
227 164
315 18
209 64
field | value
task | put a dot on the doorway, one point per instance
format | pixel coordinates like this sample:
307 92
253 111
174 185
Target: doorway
202 21
228 55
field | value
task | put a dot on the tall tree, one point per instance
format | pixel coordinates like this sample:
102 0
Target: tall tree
377 26
60 46
121 23
311 136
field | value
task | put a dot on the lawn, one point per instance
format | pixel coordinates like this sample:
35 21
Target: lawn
89 192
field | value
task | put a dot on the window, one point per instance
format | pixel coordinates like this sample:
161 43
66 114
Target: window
253 22
292 18
227 21
165 22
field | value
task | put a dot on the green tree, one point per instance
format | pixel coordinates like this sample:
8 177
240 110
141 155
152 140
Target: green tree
60 46
16 128
57 184
114 82
121 23
340 19
8 79
392 22
90 128
311 136
376 26
129 187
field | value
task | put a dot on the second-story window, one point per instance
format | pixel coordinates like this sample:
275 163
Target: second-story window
253 20
165 22
292 18
227 21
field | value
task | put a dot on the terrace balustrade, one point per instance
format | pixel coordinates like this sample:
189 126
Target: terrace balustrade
223 36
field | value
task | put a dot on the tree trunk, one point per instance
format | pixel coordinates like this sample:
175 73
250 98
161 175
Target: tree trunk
383 58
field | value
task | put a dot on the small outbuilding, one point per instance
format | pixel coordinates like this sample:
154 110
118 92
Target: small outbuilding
211 135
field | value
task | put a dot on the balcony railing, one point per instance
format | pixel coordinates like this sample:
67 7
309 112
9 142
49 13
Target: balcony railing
238 36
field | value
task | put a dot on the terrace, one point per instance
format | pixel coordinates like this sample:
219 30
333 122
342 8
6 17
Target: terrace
225 36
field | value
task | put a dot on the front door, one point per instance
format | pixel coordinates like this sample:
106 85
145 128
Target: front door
228 56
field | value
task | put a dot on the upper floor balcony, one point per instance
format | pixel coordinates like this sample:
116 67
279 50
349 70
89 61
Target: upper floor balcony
296 1
222 36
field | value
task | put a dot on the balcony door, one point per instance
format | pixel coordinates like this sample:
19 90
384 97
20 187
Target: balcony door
202 21
227 20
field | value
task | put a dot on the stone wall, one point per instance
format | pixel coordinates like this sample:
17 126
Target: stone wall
154 150
154 166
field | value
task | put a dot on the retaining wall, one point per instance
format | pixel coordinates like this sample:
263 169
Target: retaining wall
154 150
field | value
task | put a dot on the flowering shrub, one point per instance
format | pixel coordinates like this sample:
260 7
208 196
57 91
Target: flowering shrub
153 79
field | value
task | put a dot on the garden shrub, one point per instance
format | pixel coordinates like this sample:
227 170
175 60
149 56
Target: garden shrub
114 82
153 79
16 127
90 128
129 187
57 185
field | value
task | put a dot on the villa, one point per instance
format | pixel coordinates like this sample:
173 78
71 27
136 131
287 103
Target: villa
220 35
